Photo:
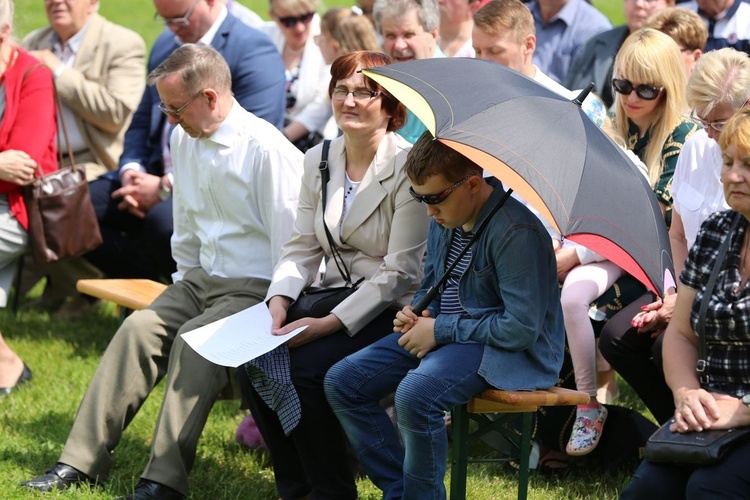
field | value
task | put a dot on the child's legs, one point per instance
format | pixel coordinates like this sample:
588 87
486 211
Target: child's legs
445 377
582 286
354 386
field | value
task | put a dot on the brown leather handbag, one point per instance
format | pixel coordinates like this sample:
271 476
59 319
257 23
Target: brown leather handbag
62 221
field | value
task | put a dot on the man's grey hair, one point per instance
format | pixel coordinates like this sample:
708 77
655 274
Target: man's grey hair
428 12
199 67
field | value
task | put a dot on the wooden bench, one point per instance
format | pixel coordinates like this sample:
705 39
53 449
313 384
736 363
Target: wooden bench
508 404
129 295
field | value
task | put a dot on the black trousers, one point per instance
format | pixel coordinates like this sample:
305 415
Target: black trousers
637 358
132 247
314 459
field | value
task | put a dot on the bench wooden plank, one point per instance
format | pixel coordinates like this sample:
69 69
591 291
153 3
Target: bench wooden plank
497 401
133 294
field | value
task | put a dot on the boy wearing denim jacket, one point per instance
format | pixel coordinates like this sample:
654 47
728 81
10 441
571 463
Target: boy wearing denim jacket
497 323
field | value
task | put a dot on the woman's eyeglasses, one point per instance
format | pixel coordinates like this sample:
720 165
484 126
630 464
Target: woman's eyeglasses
434 199
645 92
360 95
292 21
717 126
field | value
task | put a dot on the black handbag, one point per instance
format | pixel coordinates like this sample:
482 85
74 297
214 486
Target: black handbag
319 302
709 446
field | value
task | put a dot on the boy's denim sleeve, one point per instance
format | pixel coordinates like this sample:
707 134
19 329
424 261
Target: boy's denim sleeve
522 278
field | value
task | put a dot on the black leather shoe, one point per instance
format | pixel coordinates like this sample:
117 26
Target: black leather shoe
151 490
25 377
59 477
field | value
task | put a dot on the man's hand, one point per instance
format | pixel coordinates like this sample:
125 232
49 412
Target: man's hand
420 337
47 58
17 167
139 192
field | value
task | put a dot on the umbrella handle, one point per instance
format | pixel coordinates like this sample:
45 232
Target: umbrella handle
425 300
584 94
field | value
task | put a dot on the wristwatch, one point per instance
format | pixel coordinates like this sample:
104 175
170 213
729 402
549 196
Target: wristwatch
164 191
746 399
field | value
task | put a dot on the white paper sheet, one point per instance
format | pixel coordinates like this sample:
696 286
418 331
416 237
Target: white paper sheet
238 338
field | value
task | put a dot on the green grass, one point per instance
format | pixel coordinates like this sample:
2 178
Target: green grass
35 421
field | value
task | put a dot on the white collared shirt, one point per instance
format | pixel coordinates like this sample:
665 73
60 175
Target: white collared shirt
67 56
235 197
697 191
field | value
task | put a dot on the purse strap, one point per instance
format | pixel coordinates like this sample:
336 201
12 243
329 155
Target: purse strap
324 178
60 117
700 366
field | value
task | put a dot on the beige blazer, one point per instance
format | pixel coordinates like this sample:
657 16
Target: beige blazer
104 86
382 238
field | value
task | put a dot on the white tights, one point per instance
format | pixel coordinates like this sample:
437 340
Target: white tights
582 286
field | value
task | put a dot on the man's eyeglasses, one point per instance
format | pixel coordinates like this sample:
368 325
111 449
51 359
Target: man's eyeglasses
645 92
360 95
177 113
292 21
182 21
434 199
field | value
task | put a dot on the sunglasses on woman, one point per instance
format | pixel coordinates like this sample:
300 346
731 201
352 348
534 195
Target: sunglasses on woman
645 92
434 199
292 21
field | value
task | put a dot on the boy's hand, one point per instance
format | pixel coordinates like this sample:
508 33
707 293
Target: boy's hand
420 337
406 318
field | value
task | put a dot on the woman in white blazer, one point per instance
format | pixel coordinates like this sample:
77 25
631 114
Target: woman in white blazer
380 232
294 26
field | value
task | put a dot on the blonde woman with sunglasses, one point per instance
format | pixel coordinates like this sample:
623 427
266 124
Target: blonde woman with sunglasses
649 86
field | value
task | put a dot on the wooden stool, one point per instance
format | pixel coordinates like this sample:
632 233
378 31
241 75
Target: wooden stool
129 295
508 404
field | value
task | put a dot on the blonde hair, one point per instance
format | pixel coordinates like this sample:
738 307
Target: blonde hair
295 7
720 76
737 132
352 30
500 16
650 57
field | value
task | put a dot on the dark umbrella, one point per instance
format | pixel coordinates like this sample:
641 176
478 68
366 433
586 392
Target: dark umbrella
545 148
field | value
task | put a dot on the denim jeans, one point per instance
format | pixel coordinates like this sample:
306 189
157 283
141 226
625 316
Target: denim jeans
425 389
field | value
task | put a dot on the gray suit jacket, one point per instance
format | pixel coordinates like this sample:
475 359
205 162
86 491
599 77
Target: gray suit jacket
594 63
383 237
104 86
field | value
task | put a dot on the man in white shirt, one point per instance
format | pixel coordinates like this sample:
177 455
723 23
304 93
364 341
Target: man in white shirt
235 195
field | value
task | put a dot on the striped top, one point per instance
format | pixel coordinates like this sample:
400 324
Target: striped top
449 302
